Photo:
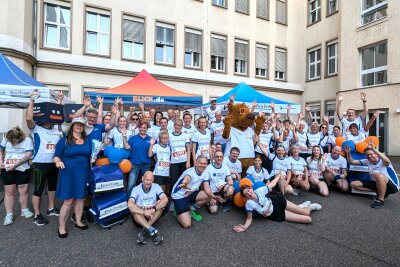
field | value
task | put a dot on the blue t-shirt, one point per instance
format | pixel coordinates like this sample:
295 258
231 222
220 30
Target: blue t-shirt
139 149
96 134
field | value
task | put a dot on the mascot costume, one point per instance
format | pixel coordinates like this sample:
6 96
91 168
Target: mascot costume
239 133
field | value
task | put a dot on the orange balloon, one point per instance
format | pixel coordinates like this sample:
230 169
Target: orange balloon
102 161
360 147
374 139
340 140
245 181
239 200
125 165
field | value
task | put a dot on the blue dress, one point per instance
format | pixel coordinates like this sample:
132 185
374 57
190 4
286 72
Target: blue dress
73 178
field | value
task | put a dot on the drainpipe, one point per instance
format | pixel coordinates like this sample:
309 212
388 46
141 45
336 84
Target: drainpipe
34 31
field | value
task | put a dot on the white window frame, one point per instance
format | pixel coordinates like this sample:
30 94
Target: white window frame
316 63
57 24
330 11
331 117
98 32
133 44
372 70
258 70
371 9
317 11
219 58
193 54
221 3
165 51
335 58
314 108
242 64
280 75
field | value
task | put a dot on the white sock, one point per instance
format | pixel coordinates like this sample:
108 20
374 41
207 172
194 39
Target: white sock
9 214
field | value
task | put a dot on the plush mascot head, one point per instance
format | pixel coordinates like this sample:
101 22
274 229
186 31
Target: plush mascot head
241 117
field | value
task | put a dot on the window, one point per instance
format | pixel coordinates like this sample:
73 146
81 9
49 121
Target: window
333 6
241 56
332 58
261 61
315 109
373 10
218 52
165 43
192 48
280 64
57 26
97 32
65 89
314 11
221 3
133 38
330 109
242 6
374 65
263 9
281 12
314 64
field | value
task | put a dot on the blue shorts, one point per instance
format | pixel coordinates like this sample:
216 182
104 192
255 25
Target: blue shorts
182 205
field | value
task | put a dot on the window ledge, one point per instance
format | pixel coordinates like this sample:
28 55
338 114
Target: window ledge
333 13
164 64
241 74
261 77
315 22
193 68
280 80
313 80
62 50
263 18
372 23
133 60
281 23
241 12
331 75
218 71
372 86
96 55
224 7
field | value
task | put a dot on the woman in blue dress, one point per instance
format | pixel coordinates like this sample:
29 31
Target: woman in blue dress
72 157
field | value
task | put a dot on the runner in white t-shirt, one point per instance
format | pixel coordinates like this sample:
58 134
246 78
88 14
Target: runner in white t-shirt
298 170
147 203
216 129
162 152
210 111
259 173
188 128
201 140
115 134
234 164
316 168
351 114
336 169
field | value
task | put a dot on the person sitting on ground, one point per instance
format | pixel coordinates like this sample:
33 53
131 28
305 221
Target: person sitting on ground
234 165
258 173
336 169
260 203
221 182
147 203
187 195
384 180
316 168
298 173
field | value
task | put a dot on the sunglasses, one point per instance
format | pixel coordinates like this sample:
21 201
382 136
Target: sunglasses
134 119
323 127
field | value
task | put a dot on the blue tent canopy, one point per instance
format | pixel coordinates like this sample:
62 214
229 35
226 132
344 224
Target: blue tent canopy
246 94
16 86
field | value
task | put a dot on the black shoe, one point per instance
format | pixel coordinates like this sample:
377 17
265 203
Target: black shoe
39 220
84 227
377 204
157 238
62 235
225 207
142 237
53 212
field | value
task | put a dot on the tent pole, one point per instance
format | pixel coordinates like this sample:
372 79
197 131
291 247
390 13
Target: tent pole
34 31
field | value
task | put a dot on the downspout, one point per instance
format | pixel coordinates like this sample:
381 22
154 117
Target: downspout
34 31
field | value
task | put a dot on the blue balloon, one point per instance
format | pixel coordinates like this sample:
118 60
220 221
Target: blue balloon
125 153
257 185
236 186
350 144
115 156
108 149
357 156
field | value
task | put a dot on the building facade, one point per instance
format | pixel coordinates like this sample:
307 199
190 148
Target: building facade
304 51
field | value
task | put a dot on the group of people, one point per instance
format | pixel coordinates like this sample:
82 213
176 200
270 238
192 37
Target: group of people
182 165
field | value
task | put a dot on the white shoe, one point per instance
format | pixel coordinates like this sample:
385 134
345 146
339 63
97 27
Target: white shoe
26 213
305 204
315 206
9 219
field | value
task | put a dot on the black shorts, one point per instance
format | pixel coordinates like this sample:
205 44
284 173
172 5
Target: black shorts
42 173
182 205
176 170
391 188
161 180
279 203
15 177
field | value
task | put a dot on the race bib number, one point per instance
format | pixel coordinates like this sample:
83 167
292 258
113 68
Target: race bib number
179 153
205 150
316 174
335 170
11 160
50 148
163 164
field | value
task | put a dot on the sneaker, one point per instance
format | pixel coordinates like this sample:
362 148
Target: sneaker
295 192
172 206
225 207
142 237
40 220
53 212
26 213
195 215
305 204
9 219
315 206
157 238
377 204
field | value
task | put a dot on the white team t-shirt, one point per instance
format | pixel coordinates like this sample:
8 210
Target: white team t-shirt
360 137
264 141
211 113
178 147
336 164
243 140
163 155
314 167
302 141
14 153
45 141
279 164
202 141
189 130
380 167
263 204
233 166
217 176
297 165
259 176
145 199
196 180
116 136
346 123
217 129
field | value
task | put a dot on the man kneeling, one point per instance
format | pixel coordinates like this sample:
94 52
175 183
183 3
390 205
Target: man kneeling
187 195
146 204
